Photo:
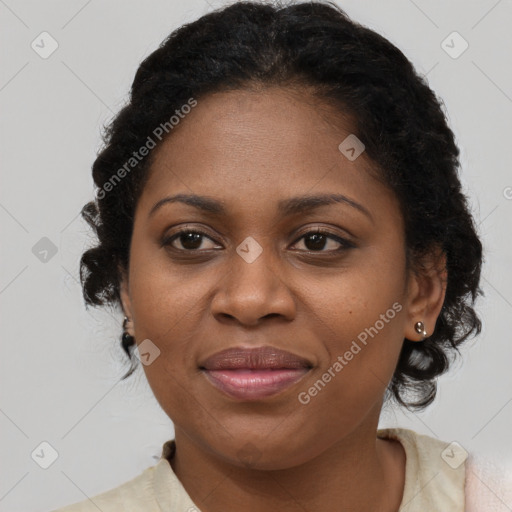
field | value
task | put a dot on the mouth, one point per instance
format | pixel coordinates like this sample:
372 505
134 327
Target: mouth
256 373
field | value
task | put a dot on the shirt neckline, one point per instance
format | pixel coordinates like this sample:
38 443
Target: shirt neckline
429 481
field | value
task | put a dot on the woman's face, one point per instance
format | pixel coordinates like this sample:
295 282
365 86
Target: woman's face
259 277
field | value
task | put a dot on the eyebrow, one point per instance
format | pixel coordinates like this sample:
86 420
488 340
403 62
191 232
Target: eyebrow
286 207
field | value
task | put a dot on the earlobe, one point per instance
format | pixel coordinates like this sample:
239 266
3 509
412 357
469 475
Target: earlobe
426 294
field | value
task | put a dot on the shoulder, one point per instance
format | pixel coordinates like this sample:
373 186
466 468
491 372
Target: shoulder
157 488
133 495
434 474
444 476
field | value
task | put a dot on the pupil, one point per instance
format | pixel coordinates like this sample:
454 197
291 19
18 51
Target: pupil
191 238
318 241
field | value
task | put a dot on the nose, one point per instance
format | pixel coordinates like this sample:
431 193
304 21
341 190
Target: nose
252 291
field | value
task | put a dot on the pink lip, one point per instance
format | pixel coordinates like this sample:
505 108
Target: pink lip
254 373
247 384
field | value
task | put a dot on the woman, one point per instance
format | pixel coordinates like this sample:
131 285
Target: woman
280 218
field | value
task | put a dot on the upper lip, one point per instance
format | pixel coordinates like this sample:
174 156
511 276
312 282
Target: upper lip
266 357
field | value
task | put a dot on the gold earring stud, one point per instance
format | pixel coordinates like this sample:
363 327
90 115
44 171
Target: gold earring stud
419 327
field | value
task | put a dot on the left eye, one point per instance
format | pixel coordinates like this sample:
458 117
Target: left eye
315 241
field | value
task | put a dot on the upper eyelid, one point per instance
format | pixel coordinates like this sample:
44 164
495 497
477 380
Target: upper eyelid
296 232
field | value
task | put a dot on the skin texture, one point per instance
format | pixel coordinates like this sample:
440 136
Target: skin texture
251 149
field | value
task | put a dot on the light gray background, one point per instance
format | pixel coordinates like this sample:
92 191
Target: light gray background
60 365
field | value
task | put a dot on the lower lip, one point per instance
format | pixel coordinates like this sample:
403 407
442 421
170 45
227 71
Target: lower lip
246 384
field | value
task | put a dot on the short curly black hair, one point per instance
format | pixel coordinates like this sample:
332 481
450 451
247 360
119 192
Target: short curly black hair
313 45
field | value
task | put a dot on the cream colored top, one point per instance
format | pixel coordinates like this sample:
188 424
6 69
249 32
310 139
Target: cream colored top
434 481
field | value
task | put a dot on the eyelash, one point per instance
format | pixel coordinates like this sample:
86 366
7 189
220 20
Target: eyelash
345 244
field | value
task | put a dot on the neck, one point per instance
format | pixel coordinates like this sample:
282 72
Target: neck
358 472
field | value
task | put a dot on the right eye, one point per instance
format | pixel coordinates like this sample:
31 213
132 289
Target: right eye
190 240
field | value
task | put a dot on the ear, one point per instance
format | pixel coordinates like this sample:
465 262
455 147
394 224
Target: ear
426 293
125 297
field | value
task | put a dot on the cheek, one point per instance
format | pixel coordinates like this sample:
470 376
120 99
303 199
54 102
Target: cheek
352 378
360 318
165 299
354 299
167 310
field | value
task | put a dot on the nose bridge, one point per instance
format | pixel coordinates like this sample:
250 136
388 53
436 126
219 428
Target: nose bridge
253 287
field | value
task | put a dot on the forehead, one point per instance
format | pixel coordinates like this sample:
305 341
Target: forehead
257 147
253 125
